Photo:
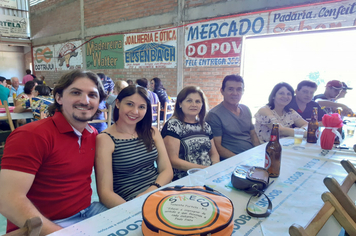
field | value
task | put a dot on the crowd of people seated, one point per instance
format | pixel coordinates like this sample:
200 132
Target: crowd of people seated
50 175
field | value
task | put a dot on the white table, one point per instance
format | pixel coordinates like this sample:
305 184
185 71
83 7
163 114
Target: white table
296 194
18 116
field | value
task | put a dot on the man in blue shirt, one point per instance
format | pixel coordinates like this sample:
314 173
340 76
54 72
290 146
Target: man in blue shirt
16 87
107 83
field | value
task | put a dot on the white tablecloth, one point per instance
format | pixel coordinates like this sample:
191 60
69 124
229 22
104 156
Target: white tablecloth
17 116
295 194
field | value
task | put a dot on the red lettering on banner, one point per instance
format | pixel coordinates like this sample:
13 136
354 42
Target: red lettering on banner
222 47
281 27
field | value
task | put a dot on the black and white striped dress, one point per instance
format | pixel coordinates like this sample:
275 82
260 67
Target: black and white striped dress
133 167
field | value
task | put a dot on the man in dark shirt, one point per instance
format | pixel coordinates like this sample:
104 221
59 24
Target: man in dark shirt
302 102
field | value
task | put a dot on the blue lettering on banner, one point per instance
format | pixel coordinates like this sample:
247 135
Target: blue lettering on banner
213 61
241 220
131 227
272 195
215 30
311 163
323 12
151 52
293 178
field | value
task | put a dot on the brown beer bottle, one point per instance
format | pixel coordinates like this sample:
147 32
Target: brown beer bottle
273 153
337 140
313 127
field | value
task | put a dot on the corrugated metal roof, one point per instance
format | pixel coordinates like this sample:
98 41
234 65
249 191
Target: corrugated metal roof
34 2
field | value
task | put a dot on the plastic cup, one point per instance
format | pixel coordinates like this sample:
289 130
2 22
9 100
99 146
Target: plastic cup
298 135
350 129
197 176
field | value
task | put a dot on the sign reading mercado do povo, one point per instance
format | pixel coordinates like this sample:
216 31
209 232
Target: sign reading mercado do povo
218 42
156 49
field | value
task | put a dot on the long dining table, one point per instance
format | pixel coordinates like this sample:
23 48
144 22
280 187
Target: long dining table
295 194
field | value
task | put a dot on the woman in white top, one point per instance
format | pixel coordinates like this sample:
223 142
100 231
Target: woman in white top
276 111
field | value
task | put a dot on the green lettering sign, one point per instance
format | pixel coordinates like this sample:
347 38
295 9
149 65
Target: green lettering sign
105 53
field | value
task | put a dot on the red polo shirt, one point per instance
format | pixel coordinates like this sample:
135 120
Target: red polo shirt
49 150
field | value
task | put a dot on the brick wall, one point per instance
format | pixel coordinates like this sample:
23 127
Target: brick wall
209 79
196 3
49 20
103 12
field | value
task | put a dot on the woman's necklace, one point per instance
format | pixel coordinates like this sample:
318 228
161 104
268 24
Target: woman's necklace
133 135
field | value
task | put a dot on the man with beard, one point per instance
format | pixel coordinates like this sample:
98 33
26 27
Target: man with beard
302 102
47 164
231 122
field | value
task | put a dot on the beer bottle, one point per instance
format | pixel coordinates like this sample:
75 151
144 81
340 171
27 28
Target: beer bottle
337 140
313 127
273 153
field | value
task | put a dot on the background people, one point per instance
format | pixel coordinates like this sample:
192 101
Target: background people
302 102
157 87
276 111
27 77
4 90
127 150
230 121
40 102
110 100
188 138
16 88
152 96
328 98
49 176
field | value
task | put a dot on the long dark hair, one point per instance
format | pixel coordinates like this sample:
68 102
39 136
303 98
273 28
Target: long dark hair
178 112
158 84
67 79
144 126
274 92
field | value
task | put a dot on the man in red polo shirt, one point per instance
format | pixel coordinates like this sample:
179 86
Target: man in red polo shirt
47 165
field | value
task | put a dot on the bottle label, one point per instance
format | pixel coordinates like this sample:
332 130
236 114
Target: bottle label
267 161
273 138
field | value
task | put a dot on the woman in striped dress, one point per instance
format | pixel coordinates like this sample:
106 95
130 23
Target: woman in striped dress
126 152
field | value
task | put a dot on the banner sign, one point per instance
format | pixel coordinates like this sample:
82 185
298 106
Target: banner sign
323 16
44 58
151 50
105 53
58 57
8 4
68 56
215 43
13 26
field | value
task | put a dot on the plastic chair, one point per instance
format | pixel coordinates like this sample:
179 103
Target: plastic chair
8 115
330 208
156 114
32 227
341 191
167 112
107 120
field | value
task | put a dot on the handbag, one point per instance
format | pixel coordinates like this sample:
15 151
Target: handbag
193 210
253 180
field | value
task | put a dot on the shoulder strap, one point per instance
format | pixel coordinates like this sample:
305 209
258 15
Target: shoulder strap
112 137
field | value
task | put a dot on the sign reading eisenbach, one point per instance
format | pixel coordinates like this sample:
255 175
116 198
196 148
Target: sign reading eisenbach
151 50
